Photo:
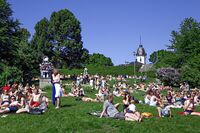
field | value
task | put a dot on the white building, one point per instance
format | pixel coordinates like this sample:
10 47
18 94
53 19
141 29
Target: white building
141 55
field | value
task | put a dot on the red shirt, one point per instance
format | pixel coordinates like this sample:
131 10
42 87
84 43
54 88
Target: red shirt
5 88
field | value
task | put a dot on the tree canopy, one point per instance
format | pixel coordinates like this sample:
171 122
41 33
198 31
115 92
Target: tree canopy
184 52
60 39
99 60
8 33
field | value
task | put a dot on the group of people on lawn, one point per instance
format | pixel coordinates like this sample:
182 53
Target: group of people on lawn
174 99
18 98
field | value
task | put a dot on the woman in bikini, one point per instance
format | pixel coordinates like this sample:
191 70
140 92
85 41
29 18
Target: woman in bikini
189 106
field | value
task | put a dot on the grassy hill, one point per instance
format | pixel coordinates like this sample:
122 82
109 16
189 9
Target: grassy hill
109 70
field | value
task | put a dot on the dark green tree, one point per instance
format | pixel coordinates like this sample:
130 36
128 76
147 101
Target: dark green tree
41 40
99 60
60 39
9 37
191 71
8 33
26 57
164 58
186 44
184 52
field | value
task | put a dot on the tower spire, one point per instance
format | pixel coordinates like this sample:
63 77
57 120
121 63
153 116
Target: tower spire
140 40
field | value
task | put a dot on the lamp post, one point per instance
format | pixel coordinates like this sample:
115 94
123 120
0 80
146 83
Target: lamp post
134 61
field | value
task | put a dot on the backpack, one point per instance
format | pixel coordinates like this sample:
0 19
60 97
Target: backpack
35 111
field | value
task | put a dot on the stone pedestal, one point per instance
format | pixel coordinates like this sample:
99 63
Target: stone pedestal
44 82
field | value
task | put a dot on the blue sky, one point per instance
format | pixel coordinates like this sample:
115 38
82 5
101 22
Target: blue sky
113 27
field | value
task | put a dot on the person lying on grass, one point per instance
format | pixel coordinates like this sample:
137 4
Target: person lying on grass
87 99
189 106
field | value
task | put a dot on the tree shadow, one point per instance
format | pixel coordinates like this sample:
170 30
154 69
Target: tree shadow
66 105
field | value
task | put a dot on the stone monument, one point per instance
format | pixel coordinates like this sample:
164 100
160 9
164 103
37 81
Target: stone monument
46 68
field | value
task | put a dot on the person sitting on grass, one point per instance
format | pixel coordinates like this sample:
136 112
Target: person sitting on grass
110 110
74 91
4 99
23 102
116 92
189 106
13 106
132 114
164 110
36 98
126 101
147 98
80 91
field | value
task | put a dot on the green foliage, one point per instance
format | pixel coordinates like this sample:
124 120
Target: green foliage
186 42
191 71
184 52
26 57
40 40
97 59
151 74
60 39
18 59
8 33
8 73
163 58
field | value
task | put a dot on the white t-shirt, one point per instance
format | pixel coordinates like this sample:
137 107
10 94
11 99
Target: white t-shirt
147 99
132 107
91 82
153 101
5 97
165 111
103 83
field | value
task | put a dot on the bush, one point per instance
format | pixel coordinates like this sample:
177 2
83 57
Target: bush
9 74
169 76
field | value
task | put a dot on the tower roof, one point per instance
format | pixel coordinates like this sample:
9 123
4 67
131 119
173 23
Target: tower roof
141 51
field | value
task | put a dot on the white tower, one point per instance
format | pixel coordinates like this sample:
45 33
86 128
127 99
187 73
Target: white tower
141 55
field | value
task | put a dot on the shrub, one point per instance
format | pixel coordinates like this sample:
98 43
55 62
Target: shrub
9 74
169 76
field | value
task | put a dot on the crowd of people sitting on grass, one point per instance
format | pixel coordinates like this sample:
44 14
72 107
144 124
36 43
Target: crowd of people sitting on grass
182 98
20 99
16 98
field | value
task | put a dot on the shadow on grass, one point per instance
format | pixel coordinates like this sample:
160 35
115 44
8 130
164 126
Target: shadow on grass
67 105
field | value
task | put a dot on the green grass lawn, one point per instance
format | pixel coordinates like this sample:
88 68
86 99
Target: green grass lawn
73 117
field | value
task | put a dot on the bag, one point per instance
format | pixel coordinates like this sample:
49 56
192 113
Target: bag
35 111
147 114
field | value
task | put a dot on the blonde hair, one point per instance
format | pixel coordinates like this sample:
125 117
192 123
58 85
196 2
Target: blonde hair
55 71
